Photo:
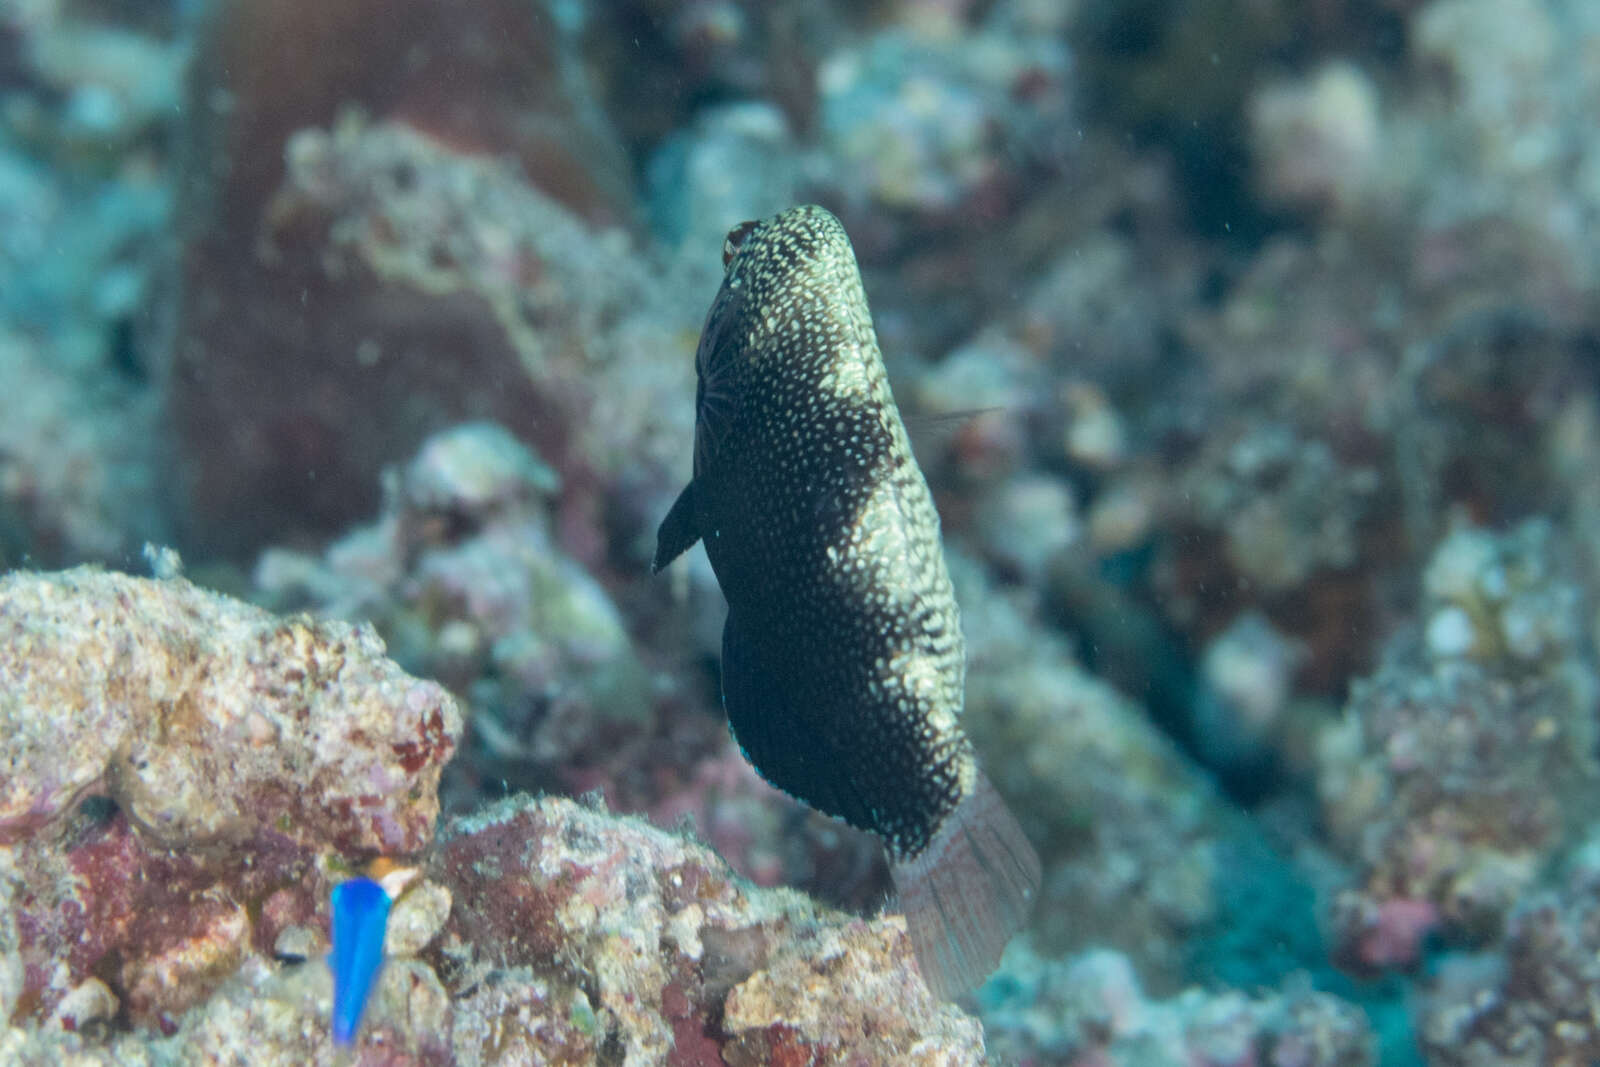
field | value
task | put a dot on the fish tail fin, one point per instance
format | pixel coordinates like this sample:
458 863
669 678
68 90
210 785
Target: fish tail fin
967 892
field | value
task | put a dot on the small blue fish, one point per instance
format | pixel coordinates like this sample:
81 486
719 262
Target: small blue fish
360 918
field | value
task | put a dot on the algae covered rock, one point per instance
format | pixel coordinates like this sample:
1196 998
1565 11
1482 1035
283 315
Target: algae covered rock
465 575
248 759
654 946
209 721
240 752
573 937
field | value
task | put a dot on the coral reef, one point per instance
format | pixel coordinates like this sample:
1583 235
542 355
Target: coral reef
736 162
1467 759
543 931
1287 507
86 113
210 722
1091 1010
1522 168
75 466
1316 141
235 748
672 953
1529 1002
1249 348
918 121
406 269
1105 798
462 573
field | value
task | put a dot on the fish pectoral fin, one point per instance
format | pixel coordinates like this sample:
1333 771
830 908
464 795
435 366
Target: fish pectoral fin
778 738
677 532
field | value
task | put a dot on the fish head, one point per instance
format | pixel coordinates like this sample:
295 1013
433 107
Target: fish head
735 238
786 263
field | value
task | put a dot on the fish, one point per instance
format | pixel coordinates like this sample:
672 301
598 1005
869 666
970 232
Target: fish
843 660
360 920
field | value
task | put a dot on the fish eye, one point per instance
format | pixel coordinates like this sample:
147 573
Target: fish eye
736 238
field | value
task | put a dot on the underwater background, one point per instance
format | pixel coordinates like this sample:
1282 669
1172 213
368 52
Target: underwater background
1250 348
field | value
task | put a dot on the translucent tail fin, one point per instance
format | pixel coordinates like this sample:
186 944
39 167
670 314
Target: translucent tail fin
966 893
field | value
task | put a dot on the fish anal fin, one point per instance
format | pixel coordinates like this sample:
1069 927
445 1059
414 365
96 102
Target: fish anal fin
678 531
968 892
778 738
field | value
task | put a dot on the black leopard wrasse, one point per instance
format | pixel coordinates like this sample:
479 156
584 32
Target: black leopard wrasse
842 660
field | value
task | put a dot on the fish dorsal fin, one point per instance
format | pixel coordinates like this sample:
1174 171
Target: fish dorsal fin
678 531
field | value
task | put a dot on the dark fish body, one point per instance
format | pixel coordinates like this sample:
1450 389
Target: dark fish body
843 662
